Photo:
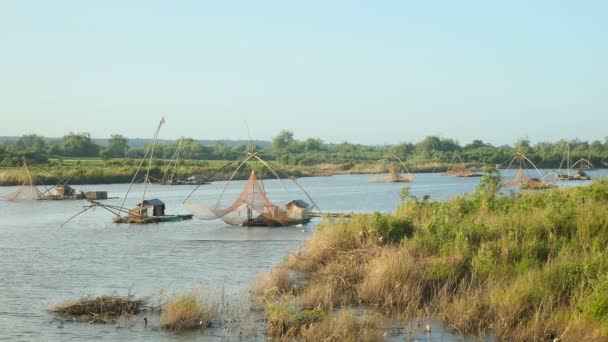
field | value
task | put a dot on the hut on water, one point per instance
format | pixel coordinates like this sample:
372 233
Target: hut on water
63 190
298 210
152 207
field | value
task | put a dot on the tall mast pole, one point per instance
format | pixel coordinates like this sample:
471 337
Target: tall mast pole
143 198
568 158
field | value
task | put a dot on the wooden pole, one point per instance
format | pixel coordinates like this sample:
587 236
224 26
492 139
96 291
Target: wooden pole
141 207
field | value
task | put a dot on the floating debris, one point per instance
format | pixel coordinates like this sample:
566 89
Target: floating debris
101 309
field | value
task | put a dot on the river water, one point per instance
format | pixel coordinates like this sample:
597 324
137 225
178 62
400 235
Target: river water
43 264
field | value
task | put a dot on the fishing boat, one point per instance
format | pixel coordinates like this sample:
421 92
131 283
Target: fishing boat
580 165
28 189
252 207
457 168
147 210
395 166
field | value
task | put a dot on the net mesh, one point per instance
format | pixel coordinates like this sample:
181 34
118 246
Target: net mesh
524 181
27 191
251 205
520 178
394 176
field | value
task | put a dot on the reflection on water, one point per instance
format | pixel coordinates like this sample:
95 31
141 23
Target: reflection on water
42 264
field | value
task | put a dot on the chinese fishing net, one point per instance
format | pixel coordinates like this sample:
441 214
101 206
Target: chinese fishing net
394 176
27 191
252 203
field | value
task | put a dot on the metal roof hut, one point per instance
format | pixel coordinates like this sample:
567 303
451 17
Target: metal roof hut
63 190
298 210
149 208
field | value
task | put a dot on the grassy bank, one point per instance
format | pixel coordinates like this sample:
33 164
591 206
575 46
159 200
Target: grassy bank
97 171
531 266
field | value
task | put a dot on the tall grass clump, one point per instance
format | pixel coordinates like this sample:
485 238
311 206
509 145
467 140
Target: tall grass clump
189 310
527 265
345 325
100 309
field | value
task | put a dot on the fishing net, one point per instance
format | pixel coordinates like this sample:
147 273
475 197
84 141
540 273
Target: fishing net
520 178
457 168
523 180
251 205
394 176
27 191
23 193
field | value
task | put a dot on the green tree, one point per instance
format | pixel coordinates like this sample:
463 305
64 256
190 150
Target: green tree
282 140
79 145
31 143
193 149
489 186
117 146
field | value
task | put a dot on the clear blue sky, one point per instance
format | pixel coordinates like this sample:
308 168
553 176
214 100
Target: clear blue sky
370 72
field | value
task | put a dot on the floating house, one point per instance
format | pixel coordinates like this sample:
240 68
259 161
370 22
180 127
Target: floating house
298 210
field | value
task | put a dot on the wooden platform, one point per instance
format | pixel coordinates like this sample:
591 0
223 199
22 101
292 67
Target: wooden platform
151 219
336 215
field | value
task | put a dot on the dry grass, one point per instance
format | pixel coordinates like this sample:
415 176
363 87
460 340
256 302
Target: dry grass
271 285
346 325
101 309
285 320
191 310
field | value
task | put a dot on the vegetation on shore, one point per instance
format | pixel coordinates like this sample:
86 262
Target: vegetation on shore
527 266
286 150
97 171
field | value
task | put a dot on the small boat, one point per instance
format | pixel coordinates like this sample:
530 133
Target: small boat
148 210
579 174
59 192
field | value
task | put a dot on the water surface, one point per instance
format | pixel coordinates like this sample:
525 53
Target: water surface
43 264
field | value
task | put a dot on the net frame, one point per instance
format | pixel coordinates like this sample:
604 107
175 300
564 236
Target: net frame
252 199
394 174
27 191
522 177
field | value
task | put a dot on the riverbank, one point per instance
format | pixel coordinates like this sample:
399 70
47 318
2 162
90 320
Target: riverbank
122 171
531 266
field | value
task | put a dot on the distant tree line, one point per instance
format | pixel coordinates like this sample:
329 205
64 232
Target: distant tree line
288 150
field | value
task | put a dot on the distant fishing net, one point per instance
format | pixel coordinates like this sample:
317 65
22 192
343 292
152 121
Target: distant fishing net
520 178
457 168
252 203
23 193
394 176
391 161
523 180
27 191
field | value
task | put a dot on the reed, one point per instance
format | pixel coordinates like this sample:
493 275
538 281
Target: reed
193 309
